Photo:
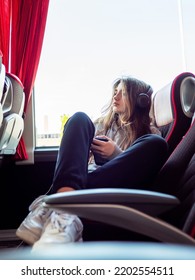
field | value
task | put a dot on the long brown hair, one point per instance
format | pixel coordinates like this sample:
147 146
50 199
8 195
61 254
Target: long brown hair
135 120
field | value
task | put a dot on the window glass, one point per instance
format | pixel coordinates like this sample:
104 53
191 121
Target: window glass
89 43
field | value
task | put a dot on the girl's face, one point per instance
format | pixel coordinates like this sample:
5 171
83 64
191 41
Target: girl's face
119 99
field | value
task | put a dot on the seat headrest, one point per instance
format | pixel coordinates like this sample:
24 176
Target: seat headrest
162 108
2 79
18 92
7 98
176 99
187 95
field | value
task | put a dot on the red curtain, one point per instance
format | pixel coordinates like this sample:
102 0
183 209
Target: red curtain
21 51
28 26
5 12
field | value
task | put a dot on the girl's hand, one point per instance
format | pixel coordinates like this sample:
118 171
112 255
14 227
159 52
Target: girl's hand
103 148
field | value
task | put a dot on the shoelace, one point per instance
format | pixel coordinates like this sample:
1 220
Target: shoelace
43 212
60 220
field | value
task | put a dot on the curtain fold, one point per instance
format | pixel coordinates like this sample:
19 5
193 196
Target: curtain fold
26 19
28 27
5 15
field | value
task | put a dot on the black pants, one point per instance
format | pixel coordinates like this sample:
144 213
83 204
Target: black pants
134 168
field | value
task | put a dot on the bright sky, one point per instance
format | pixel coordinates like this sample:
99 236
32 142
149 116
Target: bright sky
89 43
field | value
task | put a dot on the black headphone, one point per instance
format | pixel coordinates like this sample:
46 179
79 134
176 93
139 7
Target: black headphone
143 99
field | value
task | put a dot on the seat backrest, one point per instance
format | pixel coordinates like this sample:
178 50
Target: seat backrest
18 94
2 79
177 177
7 96
13 106
173 106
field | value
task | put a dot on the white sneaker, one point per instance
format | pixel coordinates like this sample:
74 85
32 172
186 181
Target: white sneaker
31 228
60 228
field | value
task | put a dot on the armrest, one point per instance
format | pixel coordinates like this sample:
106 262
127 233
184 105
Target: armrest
127 218
149 202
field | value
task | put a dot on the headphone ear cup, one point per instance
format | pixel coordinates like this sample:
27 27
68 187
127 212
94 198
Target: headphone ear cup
143 100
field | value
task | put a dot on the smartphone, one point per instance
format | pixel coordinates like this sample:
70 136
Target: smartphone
98 159
101 139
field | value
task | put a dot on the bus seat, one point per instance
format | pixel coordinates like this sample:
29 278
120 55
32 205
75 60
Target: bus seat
19 96
173 106
2 79
7 96
152 213
165 213
1 114
12 124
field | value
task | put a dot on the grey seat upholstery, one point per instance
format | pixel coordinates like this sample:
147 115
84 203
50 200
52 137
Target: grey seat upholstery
12 125
7 96
2 79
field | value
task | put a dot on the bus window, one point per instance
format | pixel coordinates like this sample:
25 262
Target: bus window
88 45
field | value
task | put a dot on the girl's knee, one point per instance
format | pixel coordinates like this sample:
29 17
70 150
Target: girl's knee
153 142
81 120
